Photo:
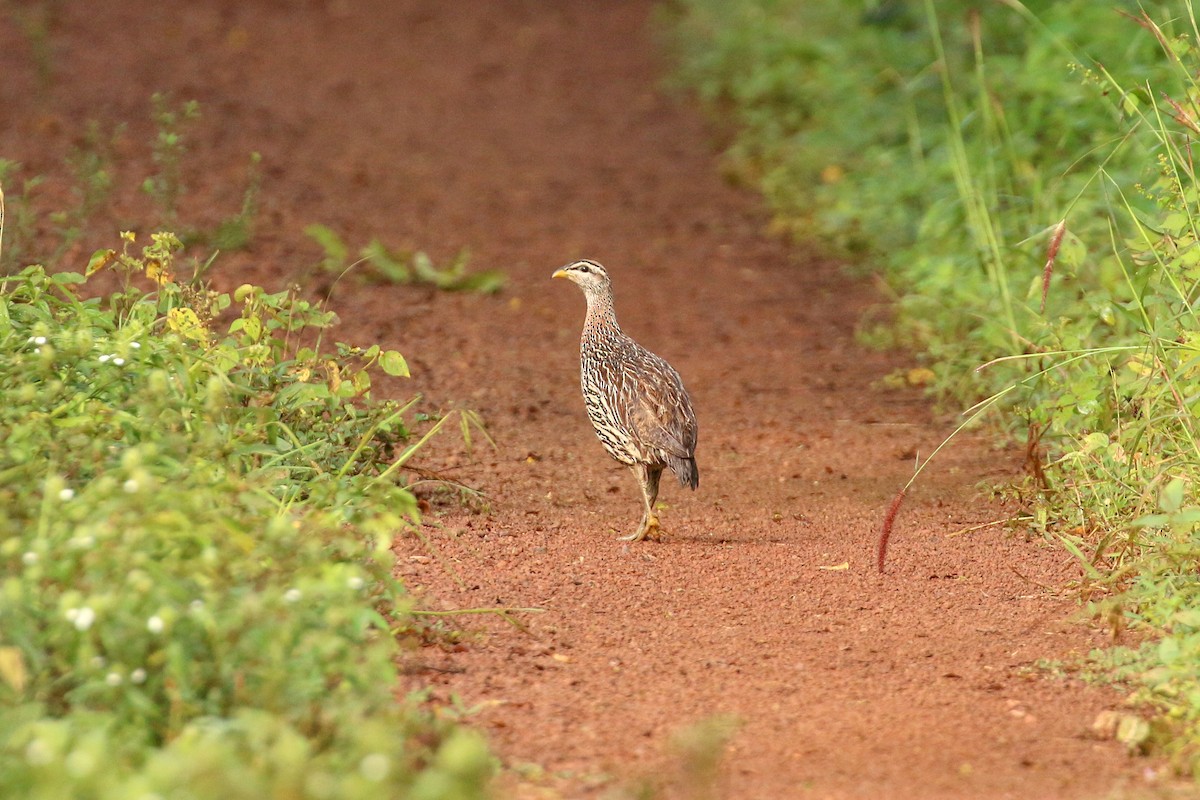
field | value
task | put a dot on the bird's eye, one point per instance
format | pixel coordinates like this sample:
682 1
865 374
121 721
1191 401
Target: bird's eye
585 268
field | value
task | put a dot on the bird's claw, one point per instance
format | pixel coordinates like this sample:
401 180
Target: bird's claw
649 529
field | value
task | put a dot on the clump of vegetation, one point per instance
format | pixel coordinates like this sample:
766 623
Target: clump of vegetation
197 504
1021 174
198 497
378 264
165 186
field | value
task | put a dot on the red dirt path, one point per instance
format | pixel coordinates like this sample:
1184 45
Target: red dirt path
535 133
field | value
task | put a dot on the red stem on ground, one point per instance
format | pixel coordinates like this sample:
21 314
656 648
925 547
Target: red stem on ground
885 532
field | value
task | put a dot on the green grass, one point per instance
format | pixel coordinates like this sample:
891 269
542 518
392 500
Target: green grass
1020 176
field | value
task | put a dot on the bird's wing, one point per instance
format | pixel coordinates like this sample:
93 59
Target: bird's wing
658 410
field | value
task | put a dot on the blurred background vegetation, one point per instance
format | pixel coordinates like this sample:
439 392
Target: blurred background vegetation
1020 179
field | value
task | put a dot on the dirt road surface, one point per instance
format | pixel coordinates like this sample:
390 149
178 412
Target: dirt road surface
536 133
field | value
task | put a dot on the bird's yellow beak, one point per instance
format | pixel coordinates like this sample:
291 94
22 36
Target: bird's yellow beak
559 273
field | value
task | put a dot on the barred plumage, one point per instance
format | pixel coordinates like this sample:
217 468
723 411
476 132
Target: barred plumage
635 400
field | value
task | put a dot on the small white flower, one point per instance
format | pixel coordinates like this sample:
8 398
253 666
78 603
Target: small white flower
374 767
83 618
29 558
37 351
137 676
118 361
113 679
38 340
136 345
130 486
355 583
66 494
292 595
104 358
155 624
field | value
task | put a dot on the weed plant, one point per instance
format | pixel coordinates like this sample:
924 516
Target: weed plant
198 499
1023 176
379 264
197 505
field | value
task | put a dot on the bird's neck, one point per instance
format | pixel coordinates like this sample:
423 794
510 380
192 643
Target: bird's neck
601 321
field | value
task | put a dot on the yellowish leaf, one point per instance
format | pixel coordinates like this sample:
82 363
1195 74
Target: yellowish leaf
185 322
335 375
1139 367
99 260
158 272
920 376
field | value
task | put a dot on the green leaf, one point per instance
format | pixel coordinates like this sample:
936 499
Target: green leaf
1189 617
361 381
1133 732
335 249
99 260
1171 499
1186 518
389 266
1168 650
423 266
394 364
253 328
487 282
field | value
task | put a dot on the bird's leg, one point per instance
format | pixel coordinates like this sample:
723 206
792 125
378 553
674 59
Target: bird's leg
647 478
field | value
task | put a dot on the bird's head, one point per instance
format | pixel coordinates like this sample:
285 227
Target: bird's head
588 275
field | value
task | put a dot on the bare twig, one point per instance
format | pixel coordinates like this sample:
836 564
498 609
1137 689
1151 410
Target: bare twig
979 527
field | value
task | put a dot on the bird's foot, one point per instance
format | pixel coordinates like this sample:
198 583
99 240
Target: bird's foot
649 529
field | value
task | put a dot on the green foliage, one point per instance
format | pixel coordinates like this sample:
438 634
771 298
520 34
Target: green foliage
91 168
18 217
166 185
236 231
1022 175
381 265
197 505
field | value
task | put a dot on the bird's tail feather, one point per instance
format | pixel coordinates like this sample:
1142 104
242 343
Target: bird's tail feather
686 470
